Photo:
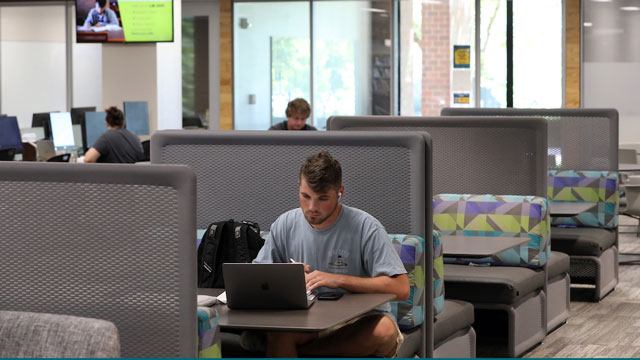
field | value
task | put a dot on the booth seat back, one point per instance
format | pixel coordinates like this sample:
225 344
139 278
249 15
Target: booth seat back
497 215
600 187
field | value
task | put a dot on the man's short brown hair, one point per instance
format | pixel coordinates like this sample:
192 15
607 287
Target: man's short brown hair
322 172
298 106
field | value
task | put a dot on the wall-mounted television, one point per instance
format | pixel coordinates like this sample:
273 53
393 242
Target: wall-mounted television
124 20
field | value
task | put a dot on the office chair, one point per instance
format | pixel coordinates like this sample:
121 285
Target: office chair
60 158
146 149
7 154
28 334
29 152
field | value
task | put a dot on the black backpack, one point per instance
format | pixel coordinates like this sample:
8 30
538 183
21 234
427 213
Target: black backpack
226 242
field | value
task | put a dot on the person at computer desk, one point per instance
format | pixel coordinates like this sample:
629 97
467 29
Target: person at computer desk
117 144
298 111
343 248
101 15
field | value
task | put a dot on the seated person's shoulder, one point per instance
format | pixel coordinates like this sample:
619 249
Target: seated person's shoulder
279 126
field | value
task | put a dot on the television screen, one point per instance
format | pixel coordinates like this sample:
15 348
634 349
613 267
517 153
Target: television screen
10 133
94 126
136 117
124 20
62 131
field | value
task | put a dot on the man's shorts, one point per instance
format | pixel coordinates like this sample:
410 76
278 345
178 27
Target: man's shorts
399 336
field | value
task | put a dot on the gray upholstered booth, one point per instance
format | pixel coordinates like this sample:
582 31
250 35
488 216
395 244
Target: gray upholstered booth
582 144
483 156
37 335
254 176
111 242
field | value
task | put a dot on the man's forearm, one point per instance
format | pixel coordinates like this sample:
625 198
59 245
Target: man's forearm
397 285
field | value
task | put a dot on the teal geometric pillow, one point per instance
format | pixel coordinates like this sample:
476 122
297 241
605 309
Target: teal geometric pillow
600 187
438 274
410 248
497 215
208 333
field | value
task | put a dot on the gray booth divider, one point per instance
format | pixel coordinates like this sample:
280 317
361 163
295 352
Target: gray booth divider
473 155
253 175
112 242
578 139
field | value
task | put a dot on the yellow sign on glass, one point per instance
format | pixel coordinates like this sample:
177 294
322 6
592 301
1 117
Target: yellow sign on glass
461 56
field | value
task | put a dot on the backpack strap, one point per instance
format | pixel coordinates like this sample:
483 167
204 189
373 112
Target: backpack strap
241 242
213 234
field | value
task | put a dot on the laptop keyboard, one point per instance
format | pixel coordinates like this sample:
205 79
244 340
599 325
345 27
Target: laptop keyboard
311 296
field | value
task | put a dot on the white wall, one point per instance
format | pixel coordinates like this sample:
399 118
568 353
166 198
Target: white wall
33 60
87 75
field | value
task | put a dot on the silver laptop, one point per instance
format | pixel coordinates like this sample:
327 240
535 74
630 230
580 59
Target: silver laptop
266 286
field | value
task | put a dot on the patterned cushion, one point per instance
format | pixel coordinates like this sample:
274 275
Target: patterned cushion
208 333
582 186
410 248
438 275
497 215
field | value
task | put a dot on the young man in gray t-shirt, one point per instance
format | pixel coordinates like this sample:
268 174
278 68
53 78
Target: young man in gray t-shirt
343 248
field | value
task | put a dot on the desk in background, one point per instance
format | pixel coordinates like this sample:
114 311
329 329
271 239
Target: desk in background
478 246
100 36
569 209
628 167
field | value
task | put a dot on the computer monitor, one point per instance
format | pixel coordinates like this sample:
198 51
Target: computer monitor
62 131
136 117
93 126
77 114
42 120
10 133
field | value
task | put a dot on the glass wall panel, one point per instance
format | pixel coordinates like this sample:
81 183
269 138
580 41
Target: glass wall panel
537 54
33 61
611 65
493 53
437 55
352 59
271 61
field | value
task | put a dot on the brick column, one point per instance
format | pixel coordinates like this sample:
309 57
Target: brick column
436 58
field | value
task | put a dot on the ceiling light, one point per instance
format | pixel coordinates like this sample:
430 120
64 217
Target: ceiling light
587 24
374 10
630 8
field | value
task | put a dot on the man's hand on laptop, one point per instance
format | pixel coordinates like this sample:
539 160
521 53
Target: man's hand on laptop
307 268
319 278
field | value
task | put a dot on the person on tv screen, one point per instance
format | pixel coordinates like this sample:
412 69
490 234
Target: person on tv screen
298 110
101 15
117 145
